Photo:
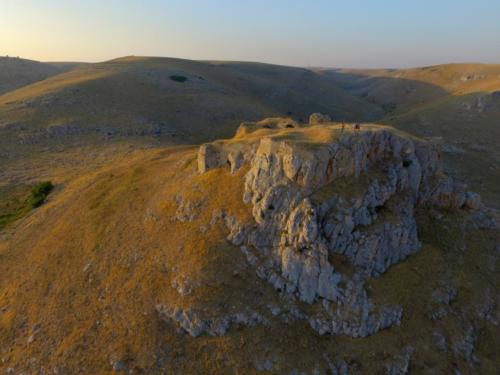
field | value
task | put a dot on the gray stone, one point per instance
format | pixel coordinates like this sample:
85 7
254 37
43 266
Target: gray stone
472 200
439 341
118 366
195 324
464 345
186 210
401 363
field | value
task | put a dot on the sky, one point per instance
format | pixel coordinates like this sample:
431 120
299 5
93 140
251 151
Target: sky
327 33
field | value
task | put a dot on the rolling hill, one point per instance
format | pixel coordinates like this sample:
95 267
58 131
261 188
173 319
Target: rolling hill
188 100
458 104
16 72
400 90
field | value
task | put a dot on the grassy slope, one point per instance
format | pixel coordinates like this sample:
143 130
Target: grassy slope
16 72
135 95
88 267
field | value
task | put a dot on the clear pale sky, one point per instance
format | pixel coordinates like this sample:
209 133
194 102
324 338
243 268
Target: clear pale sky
349 33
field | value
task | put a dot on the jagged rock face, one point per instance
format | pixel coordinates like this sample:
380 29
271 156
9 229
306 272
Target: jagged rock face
353 195
282 182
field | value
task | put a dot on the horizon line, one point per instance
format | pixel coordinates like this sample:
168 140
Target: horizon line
325 67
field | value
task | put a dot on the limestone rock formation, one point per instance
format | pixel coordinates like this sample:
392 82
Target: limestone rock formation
322 193
194 324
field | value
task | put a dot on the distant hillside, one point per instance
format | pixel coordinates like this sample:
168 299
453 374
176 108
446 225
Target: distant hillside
398 90
16 72
183 99
175 101
458 102
66 65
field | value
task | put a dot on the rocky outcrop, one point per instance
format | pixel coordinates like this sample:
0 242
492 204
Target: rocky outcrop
401 364
347 194
195 324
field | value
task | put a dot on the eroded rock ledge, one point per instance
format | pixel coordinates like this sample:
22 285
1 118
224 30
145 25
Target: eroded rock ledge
324 194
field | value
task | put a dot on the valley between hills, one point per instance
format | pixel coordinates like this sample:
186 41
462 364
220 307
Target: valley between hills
216 217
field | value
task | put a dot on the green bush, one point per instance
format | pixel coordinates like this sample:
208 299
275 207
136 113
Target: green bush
39 193
178 78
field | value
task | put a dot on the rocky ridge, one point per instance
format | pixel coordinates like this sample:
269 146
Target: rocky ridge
325 194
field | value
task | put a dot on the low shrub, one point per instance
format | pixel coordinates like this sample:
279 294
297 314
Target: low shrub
178 78
39 193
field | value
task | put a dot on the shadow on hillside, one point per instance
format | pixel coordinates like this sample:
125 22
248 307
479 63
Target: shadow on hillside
389 93
466 126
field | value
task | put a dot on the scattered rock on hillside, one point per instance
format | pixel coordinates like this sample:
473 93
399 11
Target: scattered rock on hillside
440 341
337 367
464 345
401 363
195 323
488 309
186 209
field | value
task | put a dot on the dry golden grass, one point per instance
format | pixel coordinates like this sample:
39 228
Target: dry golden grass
53 84
91 264
16 72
